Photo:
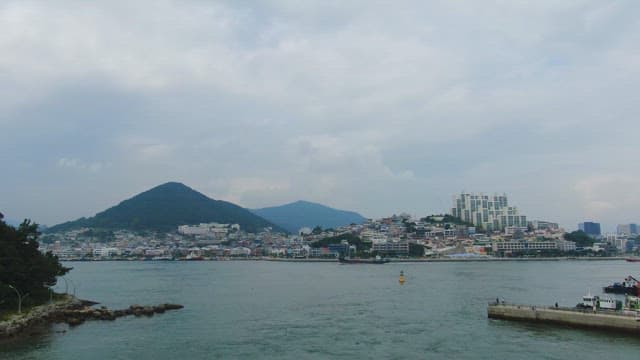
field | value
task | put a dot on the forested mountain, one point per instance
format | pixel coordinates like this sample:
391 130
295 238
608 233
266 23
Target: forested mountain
165 207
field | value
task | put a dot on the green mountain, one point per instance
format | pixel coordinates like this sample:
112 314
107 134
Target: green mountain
167 206
301 214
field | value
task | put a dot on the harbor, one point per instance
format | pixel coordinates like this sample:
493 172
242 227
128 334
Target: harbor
584 318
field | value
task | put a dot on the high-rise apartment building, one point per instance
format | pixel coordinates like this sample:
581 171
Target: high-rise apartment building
491 212
590 228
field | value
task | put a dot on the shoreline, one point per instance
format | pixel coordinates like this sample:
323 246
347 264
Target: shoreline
72 311
20 324
391 260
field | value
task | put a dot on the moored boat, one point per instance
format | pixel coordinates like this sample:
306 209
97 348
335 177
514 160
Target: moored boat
194 257
376 260
629 286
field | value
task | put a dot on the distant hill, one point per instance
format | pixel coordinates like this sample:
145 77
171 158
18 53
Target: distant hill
301 214
167 206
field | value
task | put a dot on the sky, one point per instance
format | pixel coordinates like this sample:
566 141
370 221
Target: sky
374 106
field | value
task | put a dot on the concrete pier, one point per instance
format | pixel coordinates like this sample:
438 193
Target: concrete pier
626 321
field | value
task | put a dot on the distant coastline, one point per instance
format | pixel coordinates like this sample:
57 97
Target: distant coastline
392 260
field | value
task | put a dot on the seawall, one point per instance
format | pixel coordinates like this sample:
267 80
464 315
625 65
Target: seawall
606 320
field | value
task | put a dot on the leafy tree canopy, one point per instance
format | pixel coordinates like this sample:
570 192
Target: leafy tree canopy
23 266
350 238
580 238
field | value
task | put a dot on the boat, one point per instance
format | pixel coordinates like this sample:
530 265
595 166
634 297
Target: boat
376 260
629 286
597 302
194 257
632 259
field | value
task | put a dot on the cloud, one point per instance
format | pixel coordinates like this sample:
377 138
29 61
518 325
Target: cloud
361 105
605 194
77 164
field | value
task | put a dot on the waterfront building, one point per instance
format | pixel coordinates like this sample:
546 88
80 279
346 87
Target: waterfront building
627 229
491 212
106 252
590 228
391 248
564 245
526 246
619 241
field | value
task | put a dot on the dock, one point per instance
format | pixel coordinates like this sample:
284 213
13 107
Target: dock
624 321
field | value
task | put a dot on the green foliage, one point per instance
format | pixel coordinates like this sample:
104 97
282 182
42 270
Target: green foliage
580 238
101 235
350 238
416 250
23 266
410 227
317 230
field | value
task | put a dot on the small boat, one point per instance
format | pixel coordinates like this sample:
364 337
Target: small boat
376 260
193 257
628 286
599 303
632 259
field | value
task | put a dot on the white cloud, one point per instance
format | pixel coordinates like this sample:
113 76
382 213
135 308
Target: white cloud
329 101
77 164
609 196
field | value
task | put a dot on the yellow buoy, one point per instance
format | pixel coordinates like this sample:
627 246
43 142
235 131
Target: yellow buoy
401 280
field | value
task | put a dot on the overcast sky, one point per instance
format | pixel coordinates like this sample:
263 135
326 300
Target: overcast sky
377 107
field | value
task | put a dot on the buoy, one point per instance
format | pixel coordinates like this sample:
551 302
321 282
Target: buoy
401 280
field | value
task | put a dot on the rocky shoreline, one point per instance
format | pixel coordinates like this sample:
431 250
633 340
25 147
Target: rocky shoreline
72 311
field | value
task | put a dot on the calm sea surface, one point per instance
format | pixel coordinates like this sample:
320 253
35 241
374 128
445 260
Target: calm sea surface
256 309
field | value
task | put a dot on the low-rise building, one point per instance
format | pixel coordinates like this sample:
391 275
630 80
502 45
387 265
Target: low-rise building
391 248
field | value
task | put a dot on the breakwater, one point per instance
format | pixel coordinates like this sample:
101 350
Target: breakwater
72 311
585 318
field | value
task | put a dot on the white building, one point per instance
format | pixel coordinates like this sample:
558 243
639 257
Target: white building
106 252
399 248
491 212
544 225
207 229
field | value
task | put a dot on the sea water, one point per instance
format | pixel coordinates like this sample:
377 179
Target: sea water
280 310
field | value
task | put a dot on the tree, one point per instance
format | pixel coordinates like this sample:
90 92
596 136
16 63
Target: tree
23 268
580 238
349 238
317 230
416 250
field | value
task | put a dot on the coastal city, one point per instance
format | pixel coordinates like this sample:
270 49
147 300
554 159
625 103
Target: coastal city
477 226
317 179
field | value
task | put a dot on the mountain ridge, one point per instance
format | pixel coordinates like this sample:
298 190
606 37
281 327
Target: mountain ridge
165 207
301 213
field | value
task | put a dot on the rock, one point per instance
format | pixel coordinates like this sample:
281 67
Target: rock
74 321
173 306
148 311
74 312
